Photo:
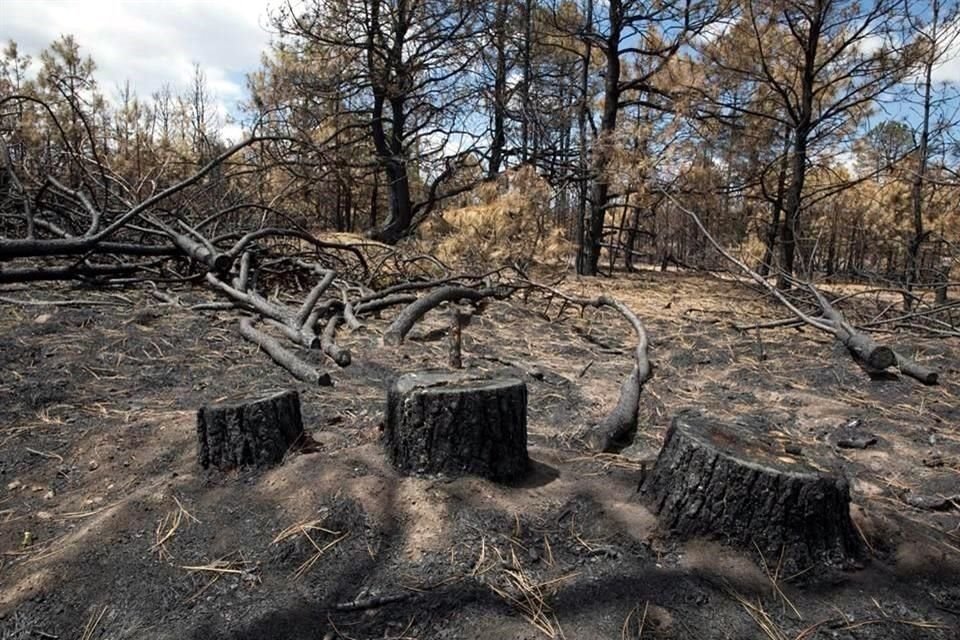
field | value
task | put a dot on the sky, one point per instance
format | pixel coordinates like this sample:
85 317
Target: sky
156 42
151 42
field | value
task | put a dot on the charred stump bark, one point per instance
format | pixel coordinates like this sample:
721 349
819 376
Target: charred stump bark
454 424
736 484
256 433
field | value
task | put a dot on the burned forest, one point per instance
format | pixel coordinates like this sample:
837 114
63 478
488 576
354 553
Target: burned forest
513 319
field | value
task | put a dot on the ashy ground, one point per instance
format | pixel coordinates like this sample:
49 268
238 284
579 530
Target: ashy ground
108 529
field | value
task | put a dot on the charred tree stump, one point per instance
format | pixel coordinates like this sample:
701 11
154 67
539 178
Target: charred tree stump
455 424
734 483
256 433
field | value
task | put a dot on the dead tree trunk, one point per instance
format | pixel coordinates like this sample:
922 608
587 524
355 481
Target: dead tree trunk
454 424
255 433
735 483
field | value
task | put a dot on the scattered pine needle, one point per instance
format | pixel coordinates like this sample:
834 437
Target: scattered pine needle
45 454
625 630
92 623
304 529
527 596
168 526
759 615
774 578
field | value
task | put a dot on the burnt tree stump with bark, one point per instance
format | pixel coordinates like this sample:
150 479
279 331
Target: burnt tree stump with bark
735 483
455 424
256 433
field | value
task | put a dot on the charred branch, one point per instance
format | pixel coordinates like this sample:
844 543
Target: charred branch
398 330
862 346
283 357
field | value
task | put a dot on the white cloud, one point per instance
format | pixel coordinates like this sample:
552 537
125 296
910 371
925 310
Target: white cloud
713 32
949 69
871 44
150 42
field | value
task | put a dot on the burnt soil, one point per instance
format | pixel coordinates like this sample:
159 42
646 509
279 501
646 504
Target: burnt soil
109 529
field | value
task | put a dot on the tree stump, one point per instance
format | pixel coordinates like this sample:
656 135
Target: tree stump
735 483
455 424
256 433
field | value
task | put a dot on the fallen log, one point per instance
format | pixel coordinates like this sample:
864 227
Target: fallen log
72 272
328 343
200 251
917 371
862 346
327 276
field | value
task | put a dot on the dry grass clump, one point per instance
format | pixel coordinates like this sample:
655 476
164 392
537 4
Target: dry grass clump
499 223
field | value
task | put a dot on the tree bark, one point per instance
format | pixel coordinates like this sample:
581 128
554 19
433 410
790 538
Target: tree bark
588 263
455 424
776 208
916 189
735 483
499 91
583 114
256 433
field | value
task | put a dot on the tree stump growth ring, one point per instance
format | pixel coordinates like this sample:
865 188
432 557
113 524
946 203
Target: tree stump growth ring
257 433
735 483
455 424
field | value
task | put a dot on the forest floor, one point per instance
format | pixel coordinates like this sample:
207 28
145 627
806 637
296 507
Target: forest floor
109 529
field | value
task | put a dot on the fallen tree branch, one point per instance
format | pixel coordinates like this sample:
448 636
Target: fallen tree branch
72 272
349 315
398 329
876 356
865 348
199 251
623 420
274 232
250 300
337 354
33 247
617 427
314 296
917 371
303 337
300 369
